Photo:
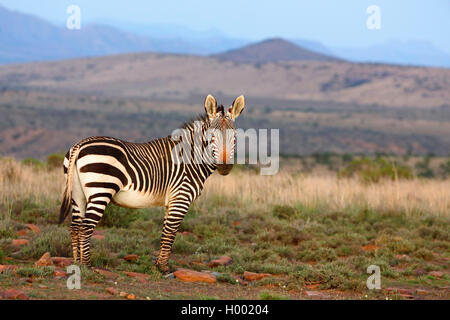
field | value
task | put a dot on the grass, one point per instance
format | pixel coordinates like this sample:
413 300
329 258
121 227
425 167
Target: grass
305 230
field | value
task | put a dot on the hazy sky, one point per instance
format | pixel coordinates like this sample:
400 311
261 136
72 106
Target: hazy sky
333 22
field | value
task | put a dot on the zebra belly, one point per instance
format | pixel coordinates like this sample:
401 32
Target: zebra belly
135 199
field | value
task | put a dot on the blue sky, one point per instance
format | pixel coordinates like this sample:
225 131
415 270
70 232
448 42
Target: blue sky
334 23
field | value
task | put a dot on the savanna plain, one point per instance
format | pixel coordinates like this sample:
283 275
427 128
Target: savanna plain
308 232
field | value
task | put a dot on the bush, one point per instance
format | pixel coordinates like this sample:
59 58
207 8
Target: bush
55 160
373 170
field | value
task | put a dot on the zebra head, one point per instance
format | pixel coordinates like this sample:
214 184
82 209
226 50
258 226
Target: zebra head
223 131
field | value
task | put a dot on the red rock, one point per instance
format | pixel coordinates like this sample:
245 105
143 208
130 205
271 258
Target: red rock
436 274
187 233
131 257
59 273
112 291
252 276
4 267
130 296
370 247
140 276
44 261
194 276
406 296
240 281
14 294
237 223
123 294
421 291
22 232
33 228
105 273
62 261
221 261
20 242
312 286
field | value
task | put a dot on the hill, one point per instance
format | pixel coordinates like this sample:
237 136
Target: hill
319 106
272 50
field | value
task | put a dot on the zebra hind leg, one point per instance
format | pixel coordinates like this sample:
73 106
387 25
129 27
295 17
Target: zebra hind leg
94 212
75 227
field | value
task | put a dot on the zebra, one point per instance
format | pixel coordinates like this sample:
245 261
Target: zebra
99 170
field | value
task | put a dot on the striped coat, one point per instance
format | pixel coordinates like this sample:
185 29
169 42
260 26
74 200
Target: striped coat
100 170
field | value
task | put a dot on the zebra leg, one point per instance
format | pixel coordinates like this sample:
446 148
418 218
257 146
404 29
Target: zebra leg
75 226
175 213
94 212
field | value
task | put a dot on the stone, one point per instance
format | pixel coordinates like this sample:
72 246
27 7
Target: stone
130 296
436 274
123 294
4 267
59 274
221 261
194 276
112 291
252 276
139 276
44 261
370 247
312 293
240 281
33 228
14 294
106 273
169 276
62 261
131 257
312 286
22 233
421 291
20 242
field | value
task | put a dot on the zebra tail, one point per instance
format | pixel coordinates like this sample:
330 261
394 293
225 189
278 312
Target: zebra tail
66 204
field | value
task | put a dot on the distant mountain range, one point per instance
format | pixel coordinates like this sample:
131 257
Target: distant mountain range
26 38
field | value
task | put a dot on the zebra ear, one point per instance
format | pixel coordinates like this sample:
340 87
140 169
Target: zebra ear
210 106
237 107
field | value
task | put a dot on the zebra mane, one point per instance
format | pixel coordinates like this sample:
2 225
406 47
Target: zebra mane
189 124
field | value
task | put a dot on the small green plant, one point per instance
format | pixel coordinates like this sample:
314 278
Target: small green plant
269 295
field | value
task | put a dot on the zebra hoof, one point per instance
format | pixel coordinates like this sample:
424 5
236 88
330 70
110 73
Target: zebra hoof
163 268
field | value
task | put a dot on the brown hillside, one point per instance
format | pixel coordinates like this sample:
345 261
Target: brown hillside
272 50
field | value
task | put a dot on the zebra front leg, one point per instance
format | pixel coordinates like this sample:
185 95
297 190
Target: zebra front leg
174 215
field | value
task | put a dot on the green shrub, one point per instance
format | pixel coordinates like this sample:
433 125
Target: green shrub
35 163
284 212
55 160
373 170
